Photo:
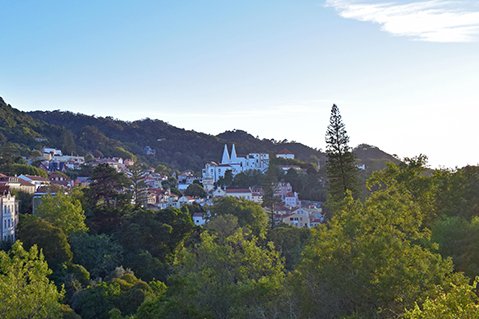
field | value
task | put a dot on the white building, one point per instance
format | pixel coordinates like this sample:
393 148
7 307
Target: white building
240 193
234 163
285 154
199 219
8 215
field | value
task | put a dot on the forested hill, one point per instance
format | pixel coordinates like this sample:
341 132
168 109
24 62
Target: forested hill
106 136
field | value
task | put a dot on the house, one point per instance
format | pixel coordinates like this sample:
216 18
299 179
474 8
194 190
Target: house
26 187
185 179
285 154
286 168
199 219
219 192
60 179
291 199
240 193
281 189
64 162
285 192
303 217
49 152
298 218
257 194
8 215
38 181
16 183
82 181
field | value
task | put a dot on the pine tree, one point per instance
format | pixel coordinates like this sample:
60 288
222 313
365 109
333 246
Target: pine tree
341 167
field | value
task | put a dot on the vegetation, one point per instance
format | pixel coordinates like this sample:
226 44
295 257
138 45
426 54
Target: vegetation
25 290
341 164
62 211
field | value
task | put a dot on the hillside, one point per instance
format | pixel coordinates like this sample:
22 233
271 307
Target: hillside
105 136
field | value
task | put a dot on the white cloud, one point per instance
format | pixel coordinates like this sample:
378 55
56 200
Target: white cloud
426 20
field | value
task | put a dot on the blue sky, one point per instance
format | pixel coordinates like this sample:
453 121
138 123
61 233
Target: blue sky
405 74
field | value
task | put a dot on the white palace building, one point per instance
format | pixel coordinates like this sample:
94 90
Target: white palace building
236 164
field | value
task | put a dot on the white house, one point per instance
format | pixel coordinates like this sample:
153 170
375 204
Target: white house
240 193
285 154
199 219
8 214
291 199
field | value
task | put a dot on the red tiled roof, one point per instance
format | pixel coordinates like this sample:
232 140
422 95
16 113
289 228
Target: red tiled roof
238 190
24 182
284 151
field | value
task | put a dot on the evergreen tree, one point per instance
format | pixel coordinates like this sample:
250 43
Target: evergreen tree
341 168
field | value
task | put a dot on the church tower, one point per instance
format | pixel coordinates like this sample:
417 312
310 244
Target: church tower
233 154
226 157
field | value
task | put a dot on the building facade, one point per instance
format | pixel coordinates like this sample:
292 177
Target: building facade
234 163
8 215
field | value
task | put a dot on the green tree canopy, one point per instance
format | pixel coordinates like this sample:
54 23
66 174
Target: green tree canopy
231 278
250 215
460 301
369 261
25 290
50 239
123 291
108 189
195 190
62 211
100 254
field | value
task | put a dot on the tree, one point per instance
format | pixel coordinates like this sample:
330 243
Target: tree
230 278
25 290
123 291
52 240
108 190
227 180
459 239
290 242
341 165
140 194
195 190
68 143
412 177
371 261
150 239
459 302
100 254
250 215
62 211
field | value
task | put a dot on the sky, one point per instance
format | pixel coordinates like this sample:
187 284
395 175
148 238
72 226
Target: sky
404 73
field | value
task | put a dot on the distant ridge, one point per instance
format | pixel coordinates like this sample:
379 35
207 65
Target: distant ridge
104 136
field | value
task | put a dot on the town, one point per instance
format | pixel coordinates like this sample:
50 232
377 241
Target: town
159 193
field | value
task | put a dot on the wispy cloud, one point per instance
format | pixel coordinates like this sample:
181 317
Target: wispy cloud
425 20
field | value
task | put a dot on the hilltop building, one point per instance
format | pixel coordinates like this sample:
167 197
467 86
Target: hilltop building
234 163
286 154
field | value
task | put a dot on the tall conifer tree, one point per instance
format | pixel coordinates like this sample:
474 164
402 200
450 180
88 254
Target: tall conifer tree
341 166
